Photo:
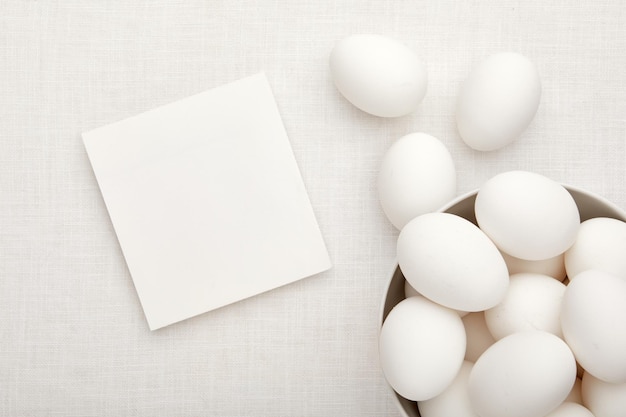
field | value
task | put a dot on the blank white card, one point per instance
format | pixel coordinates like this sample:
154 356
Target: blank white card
207 201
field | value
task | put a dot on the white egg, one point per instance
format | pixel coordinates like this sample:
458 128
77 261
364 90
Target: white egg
454 401
602 398
417 176
412 292
478 336
421 348
526 374
575 395
553 267
527 215
379 75
498 101
570 409
601 245
532 302
447 259
593 319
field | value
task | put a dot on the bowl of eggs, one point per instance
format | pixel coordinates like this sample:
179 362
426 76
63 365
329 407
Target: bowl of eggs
510 301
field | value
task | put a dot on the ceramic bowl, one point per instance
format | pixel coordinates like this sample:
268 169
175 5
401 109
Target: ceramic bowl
589 206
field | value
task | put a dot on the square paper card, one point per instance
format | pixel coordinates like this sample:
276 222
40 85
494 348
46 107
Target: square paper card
207 201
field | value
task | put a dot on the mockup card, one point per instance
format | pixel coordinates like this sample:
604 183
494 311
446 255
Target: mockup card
207 201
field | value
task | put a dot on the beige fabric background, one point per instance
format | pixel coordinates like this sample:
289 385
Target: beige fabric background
73 340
